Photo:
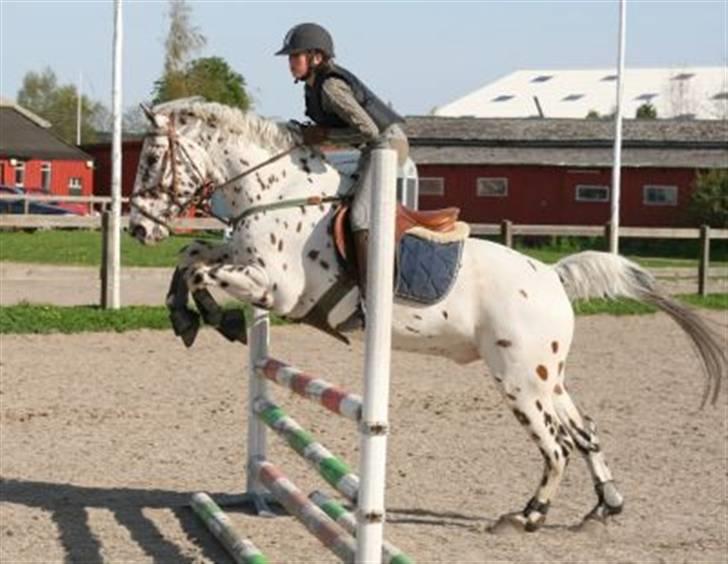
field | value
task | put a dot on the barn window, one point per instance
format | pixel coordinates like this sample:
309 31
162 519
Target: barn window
656 195
20 174
592 193
75 186
45 177
493 187
503 98
432 186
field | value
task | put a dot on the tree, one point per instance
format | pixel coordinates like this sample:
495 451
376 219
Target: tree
42 95
183 40
709 202
646 111
213 78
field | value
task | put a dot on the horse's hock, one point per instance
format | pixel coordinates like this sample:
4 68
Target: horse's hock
353 537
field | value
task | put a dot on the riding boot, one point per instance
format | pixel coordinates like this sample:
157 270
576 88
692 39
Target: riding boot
357 321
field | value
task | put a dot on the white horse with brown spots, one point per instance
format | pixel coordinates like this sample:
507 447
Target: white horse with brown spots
511 311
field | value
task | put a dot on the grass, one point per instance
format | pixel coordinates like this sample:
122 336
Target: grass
43 319
83 248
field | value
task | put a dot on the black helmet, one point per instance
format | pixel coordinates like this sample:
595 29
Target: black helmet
307 37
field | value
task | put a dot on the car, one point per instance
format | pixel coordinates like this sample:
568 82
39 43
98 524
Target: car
43 208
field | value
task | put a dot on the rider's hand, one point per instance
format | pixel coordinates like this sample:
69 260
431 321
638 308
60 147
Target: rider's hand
314 134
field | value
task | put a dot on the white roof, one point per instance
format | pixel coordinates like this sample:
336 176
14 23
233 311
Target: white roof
699 92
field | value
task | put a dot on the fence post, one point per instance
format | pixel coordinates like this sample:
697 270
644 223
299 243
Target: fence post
704 261
105 225
608 233
507 233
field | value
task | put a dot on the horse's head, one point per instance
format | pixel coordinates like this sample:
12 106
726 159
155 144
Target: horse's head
173 175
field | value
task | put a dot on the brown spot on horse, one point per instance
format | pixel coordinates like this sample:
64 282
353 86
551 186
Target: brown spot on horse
503 343
542 372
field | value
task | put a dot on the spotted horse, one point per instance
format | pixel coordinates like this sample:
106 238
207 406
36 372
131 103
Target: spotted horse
508 310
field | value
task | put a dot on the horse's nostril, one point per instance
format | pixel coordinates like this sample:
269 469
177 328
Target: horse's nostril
139 232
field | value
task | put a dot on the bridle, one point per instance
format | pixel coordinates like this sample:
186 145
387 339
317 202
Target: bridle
201 196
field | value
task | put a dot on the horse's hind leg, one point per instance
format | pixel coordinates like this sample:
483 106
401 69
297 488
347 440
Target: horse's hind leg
584 432
529 395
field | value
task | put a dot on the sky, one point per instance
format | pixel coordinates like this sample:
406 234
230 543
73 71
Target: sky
416 55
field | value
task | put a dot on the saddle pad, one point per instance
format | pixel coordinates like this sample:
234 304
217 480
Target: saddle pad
426 270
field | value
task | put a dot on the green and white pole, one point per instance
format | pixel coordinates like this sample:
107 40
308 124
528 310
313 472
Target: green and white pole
332 469
390 553
242 550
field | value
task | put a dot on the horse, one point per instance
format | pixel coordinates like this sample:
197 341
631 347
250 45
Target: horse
512 312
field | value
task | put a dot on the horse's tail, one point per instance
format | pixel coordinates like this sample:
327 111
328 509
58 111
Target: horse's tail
593 274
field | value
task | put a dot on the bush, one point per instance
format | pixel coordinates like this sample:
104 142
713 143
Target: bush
709 202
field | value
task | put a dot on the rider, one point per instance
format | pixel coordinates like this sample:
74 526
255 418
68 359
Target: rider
344 111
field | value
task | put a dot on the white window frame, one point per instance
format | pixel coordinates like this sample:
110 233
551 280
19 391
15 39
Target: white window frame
46 167
579 187
481 193
72 185
441 186
19 168
667 187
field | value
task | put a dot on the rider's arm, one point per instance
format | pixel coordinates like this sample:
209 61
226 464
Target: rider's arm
339 98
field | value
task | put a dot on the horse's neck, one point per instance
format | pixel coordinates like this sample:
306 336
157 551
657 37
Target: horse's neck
293 244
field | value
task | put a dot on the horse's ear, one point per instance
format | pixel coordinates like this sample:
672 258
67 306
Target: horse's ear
151 116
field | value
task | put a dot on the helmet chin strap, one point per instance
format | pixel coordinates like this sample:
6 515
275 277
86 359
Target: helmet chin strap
311 69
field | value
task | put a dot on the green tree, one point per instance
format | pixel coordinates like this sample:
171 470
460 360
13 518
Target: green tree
213 78
646 111
709 202
56 103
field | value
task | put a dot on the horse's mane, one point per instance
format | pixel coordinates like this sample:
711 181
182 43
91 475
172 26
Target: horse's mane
264 132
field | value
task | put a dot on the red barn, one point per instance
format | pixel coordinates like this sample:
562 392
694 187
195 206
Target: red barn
558 171
131 148
33 158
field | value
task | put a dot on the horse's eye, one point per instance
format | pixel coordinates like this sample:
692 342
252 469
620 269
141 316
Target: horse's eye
152 160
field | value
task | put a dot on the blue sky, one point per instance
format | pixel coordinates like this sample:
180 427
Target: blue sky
415 54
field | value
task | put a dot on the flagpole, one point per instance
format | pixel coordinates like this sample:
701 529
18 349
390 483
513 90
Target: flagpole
617 164
115 223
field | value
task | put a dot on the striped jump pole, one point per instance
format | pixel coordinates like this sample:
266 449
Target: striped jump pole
390 553
320 391
242 550
332 469
331 535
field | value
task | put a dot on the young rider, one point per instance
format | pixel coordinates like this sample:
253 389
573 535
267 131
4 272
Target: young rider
344 111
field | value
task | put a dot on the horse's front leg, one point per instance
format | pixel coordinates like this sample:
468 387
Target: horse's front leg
230 323
248 283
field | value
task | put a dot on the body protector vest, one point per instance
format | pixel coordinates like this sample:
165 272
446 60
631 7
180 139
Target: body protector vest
382 115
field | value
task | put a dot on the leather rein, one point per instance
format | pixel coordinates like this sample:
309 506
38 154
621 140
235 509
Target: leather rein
200 198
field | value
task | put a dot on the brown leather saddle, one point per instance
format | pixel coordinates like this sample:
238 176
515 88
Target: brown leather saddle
441 221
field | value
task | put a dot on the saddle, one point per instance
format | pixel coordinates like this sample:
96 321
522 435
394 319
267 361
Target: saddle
438 221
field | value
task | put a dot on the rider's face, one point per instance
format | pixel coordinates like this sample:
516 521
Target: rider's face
298 64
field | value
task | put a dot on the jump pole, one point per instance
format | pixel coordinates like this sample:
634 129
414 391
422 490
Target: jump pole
374 425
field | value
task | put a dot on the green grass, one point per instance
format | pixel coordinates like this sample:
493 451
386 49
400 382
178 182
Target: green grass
42 319
81 247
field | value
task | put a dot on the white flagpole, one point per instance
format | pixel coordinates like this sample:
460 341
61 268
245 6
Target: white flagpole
78 108
617 165
115 223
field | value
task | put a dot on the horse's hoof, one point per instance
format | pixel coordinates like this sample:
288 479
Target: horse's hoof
511 524
232 326
186 324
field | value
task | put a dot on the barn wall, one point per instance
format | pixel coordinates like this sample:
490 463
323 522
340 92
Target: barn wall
547 195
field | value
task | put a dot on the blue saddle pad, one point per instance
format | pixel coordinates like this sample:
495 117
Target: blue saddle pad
426 270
